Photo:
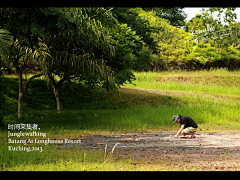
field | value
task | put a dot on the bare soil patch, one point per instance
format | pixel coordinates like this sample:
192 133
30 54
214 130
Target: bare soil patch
208 151
207 80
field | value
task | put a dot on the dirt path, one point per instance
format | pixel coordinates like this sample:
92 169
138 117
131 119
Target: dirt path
208 151
181 93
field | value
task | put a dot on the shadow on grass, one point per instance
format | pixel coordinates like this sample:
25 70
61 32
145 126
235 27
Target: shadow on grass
86 109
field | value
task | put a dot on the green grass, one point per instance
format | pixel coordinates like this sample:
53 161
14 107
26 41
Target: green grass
216 82
75 159
210 98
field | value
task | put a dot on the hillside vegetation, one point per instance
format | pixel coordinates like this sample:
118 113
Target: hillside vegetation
204 43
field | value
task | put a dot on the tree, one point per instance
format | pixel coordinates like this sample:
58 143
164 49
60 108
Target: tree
23 29
79 51
74 36
130 16
79 45
12 52
175 15
128 45
210 28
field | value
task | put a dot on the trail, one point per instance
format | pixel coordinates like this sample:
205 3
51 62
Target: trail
183 93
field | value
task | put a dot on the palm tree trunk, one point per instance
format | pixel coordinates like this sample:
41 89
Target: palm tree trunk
20 93
57 96
56 87
20 108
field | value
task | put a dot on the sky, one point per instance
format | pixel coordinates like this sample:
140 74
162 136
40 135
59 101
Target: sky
191 12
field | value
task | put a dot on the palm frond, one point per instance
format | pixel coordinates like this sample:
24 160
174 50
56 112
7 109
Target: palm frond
79 64
89 32
6 40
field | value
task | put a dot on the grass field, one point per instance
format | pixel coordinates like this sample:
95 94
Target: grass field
212 99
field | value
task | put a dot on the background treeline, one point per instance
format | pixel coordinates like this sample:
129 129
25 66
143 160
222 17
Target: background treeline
157 39
166 46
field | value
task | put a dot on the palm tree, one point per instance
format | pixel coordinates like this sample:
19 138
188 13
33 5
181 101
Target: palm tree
74 49
11 52
69 45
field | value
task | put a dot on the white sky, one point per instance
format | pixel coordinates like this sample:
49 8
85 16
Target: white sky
191 12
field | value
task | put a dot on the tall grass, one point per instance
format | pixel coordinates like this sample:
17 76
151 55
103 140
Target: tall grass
152 84
149 80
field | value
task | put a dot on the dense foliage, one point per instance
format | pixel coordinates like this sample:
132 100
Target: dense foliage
216 46
99 47
128 38
204 42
